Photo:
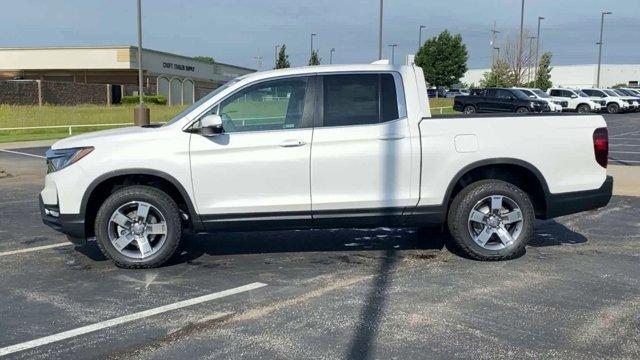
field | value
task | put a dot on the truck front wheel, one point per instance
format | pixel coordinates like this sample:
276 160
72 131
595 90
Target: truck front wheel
138 227
491 220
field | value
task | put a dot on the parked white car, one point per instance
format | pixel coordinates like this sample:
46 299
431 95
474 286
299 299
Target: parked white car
339 146
554 104
614 104
633 101
576 101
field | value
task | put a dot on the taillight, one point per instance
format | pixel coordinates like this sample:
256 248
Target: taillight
601 146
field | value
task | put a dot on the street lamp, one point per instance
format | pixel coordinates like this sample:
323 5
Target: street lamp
141 113
420 36
530 62
380 31
600 46
312 35
538 47
520 45
393 52
331 55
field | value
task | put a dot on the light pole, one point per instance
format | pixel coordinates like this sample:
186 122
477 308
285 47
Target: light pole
600 46
141 113
494 40
393 52
497 48
275 57
521 40
312 35
420 36
530 62
538 47
331 55
380 31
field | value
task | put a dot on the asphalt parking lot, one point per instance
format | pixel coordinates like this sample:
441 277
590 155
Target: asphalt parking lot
326 294
624 136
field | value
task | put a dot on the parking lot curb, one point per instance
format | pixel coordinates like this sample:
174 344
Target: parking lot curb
626 179
27 144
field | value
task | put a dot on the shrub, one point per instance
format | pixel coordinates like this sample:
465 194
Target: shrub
149 99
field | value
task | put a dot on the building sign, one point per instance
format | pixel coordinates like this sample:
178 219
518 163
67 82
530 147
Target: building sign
168 65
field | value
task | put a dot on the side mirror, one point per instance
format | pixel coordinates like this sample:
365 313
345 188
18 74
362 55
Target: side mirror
574 96
211 125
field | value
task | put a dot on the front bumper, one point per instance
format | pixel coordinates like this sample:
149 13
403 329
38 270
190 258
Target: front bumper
578 201
69 224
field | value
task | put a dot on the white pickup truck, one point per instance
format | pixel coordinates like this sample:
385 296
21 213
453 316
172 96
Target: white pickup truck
318 147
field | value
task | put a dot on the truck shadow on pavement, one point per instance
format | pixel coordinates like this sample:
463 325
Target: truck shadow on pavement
546 233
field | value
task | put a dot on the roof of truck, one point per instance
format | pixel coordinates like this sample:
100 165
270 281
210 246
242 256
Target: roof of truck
321 69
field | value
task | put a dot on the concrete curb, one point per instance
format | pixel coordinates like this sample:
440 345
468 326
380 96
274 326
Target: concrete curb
27 144
626 179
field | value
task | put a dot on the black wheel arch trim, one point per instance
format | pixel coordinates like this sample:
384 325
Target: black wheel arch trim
494 161
193 214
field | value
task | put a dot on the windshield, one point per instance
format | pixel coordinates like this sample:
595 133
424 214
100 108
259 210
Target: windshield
541 93
528 92
619 92
520 94
215 92
581 93
609 92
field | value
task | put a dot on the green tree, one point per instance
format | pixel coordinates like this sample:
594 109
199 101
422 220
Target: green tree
543 78
443 59
314 59
283 59
499 76
205 58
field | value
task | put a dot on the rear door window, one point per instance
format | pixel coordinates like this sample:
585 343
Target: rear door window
359 99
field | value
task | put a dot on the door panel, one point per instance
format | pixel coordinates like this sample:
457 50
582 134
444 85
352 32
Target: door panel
258 169
361 170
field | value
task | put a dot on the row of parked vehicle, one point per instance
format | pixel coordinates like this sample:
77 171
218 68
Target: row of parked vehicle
524 100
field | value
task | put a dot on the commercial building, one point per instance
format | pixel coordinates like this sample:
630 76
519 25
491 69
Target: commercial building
579 75
181 79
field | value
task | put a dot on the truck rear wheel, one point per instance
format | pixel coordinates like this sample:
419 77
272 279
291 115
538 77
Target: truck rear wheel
138 227
491 220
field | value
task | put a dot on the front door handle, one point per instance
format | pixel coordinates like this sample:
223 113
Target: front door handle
391 137
292 143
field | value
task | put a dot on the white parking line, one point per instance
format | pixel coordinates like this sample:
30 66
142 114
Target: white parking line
625 161
22 153
627 133
36 248
625 152
125 319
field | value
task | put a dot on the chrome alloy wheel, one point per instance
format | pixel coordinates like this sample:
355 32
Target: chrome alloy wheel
495 222
137 229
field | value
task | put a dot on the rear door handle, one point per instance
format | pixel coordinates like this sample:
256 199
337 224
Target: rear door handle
292 143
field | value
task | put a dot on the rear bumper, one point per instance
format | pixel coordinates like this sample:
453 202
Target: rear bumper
69 224
575 202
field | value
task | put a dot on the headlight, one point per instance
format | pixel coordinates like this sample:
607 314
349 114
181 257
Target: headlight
60 159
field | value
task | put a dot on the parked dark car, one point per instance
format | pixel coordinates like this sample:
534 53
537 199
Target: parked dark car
498 100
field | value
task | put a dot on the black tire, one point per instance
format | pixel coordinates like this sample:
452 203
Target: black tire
522 110
158 199
463 204
469 109
613 108
584 108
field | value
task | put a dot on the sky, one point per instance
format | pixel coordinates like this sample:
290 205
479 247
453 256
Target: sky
240 31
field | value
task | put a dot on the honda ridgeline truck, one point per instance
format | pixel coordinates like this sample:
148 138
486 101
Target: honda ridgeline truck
324 146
